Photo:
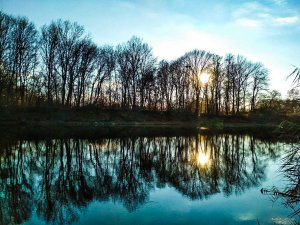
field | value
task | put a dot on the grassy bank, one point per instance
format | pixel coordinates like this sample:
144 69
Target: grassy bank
59 121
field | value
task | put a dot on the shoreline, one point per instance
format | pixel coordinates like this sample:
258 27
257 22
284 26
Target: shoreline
59 129
57 122
203 125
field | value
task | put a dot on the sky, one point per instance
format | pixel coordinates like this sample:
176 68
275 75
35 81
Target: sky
266 31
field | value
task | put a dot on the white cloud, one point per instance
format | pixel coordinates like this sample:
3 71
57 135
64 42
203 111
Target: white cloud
286 20
264 15
186 38
255 15
248 22
249 9
279 2
251 15
246 216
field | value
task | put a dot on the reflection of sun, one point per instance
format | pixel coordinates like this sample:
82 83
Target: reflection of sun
203 159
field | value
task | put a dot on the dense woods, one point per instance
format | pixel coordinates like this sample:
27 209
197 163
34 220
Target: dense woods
60 65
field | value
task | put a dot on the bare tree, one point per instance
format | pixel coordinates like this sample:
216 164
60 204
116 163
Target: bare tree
197 62
134 58
216 84
49 41
258 84
165 86
84 69
6 25
105 65
23 55
70 36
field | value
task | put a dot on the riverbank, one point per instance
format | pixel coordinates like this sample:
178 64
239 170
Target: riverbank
91 117
43 130
66 122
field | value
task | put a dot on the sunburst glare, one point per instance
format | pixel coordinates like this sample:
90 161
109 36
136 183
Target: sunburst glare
203 159
204 78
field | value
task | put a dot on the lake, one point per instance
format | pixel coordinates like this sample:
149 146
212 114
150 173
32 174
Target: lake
192 179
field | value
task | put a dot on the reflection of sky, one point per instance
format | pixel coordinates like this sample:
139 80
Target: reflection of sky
266 31
167 206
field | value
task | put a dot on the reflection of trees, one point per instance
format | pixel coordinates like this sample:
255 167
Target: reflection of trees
15 184
290 170
234 166
58 177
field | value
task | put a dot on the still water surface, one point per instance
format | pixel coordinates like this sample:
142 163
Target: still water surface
200 179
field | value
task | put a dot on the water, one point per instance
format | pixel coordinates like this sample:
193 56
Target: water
199 179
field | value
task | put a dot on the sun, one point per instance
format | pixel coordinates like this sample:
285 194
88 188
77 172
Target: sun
204 78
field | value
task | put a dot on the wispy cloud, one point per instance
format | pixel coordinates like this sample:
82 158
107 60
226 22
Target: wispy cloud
186 38
286 20
248 22
258 15
250 15
248 9
279 2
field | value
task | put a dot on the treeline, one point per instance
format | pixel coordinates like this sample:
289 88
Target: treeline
273 102
60 64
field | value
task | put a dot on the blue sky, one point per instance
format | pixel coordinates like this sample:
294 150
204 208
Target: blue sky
267 31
